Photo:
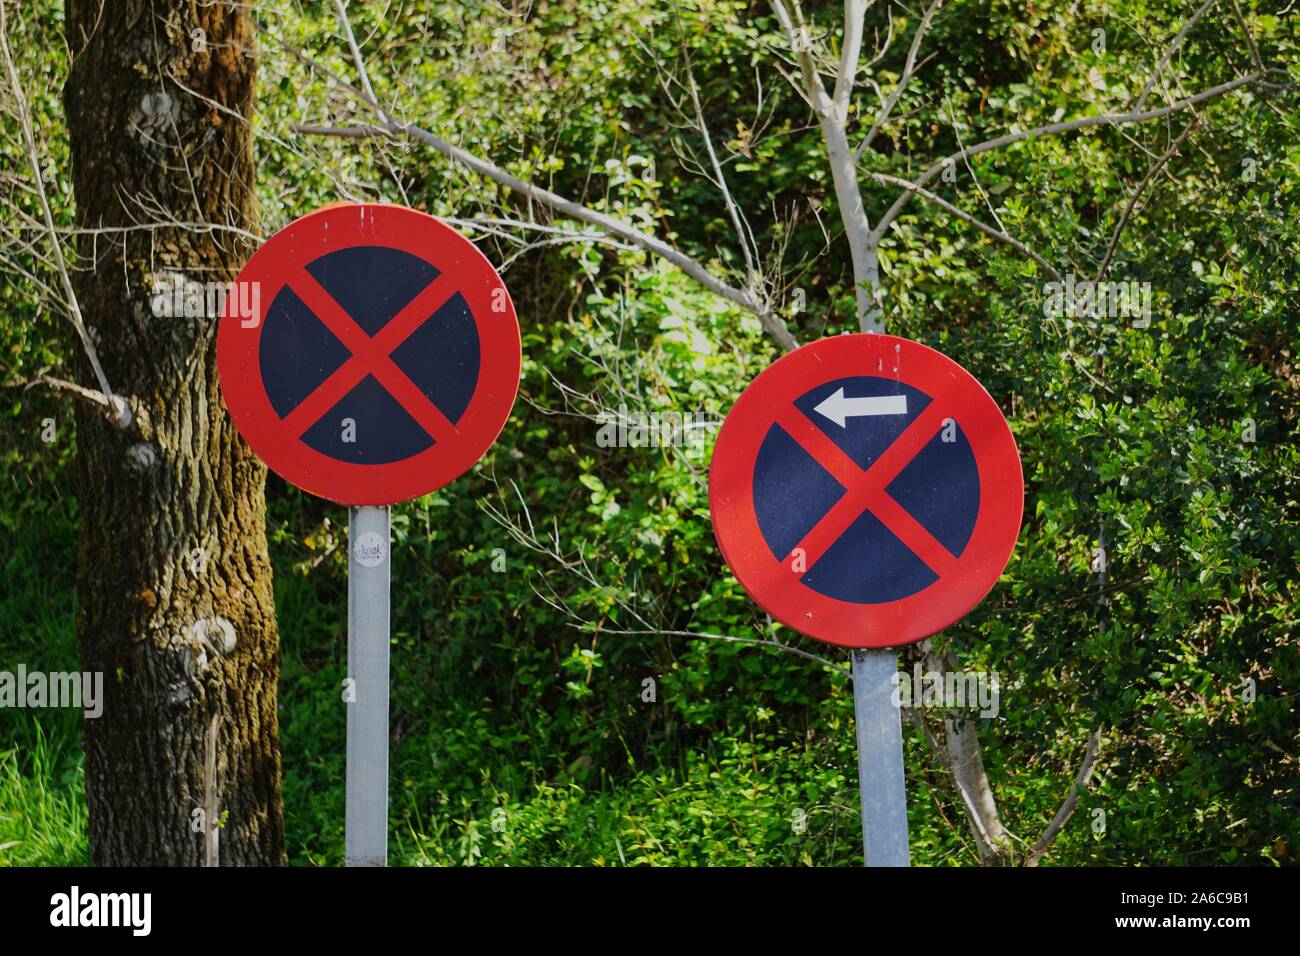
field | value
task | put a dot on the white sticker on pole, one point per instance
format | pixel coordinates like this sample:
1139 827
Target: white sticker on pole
369 550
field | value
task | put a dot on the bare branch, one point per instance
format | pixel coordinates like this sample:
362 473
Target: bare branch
724 637
796 32
341 11
117 412
1044 842
909 69
1250 39
745 298
1078 363
1170 51
855 13
114 408
971 220
1098 119
201 228
988 203
959 754
1154 171
742 236
832 119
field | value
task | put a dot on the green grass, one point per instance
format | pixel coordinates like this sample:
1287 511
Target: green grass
42 806
463 792
42 785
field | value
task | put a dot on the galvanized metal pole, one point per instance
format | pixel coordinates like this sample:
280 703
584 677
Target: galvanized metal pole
880 758
366 816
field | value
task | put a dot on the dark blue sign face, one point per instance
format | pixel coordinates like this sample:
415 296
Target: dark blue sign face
372 284
382 359
793 492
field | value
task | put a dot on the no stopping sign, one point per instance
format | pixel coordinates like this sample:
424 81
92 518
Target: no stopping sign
866 490
383 359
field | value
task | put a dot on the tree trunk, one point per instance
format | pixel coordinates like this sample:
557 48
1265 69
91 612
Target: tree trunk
175 604
857 229
965 761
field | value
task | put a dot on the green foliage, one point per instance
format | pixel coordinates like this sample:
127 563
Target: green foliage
523 730
42 807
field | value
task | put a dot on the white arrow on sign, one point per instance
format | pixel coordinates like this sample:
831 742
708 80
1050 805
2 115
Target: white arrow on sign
839 409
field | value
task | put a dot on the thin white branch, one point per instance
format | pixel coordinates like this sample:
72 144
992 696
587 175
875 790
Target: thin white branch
832 121
745 298
200 228
701 635
1044 842
1170 51
752 277
796 32
855 13
909 70
772 323
1154 171
1250 39
118 413
113 407
341 9
966 217
956 131
1098 119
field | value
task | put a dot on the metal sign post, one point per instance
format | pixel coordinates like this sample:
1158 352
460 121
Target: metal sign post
378 362
880 758
366 818
867 491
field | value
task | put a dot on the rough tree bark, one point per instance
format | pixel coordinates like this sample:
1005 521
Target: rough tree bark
174 586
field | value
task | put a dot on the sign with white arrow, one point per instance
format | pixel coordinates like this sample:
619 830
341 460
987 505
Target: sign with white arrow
868 519
866 490
840 409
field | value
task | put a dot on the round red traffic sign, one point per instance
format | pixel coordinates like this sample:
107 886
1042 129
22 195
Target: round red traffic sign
866 490
369 353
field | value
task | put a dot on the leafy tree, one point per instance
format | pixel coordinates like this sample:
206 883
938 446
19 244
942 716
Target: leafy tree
1143 629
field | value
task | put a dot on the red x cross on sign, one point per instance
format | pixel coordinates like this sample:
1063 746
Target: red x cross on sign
384 358
866 490
371 356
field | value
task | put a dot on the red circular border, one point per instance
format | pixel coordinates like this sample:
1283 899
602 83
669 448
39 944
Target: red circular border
774 586
342 226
